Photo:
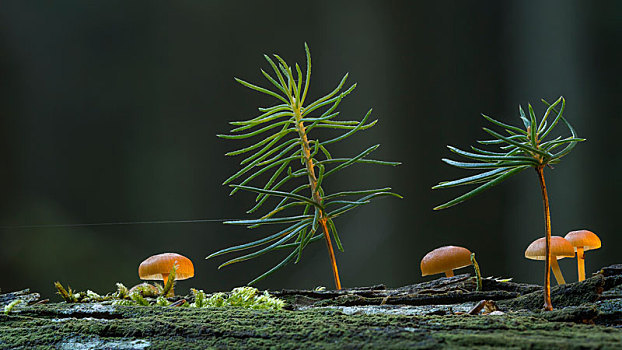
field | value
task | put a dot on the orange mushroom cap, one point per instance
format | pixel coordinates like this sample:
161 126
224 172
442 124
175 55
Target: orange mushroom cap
444 259
583 238
560 248
155 266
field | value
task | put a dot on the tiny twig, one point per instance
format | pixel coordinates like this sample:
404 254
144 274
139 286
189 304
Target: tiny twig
178 302
489 305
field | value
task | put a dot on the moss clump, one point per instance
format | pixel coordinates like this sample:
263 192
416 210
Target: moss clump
243 297
146 294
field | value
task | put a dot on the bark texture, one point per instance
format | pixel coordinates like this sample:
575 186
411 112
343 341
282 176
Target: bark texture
587 315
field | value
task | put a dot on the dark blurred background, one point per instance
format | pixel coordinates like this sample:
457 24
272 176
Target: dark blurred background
110 112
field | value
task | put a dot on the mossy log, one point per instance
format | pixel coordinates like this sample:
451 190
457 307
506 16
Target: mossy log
63 326
595 321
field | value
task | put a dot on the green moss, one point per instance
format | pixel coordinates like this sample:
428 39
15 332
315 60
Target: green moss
244 297
189 328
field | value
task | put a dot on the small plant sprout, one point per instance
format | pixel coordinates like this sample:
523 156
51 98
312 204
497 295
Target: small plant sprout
559 249
520 149
478 274
295 161
166 267
445 260
122 291
67 295
12 305
582 240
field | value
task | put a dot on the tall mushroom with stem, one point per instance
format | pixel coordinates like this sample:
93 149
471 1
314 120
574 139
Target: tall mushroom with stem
582 240
560 248
520 149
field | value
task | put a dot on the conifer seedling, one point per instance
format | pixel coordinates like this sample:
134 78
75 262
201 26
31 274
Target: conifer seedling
518 150
298 163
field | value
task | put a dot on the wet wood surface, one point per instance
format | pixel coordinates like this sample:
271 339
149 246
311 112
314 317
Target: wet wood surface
444 313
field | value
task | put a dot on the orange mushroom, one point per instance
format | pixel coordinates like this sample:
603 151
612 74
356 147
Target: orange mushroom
560 248
582 240
445 259
158 268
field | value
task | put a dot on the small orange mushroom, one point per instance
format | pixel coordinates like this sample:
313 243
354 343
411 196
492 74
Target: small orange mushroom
560 248
158 268
582 240
445 259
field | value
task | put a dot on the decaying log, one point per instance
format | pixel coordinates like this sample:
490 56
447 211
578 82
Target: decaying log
445 290
90 326
587 315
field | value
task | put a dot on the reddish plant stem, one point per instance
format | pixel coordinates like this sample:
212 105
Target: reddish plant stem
547 222
331 253
306 149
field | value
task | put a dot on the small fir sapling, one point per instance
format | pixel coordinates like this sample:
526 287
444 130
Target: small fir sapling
519 150
297 162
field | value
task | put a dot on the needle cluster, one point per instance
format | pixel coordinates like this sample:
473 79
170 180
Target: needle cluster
520 149
297 164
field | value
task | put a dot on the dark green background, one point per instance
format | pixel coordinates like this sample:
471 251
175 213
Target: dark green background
109 112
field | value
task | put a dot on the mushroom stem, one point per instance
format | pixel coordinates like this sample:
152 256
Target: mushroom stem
581 263
449 273
547 223
557 272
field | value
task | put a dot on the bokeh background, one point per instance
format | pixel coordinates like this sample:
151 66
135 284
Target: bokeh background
109 112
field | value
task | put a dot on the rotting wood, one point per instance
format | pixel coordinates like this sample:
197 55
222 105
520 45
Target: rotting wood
445 290
587 315
573 294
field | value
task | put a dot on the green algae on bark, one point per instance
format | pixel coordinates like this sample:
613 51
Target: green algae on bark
63 326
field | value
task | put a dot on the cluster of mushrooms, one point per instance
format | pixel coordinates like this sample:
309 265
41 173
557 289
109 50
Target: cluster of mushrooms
448 258
564 247
441 260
